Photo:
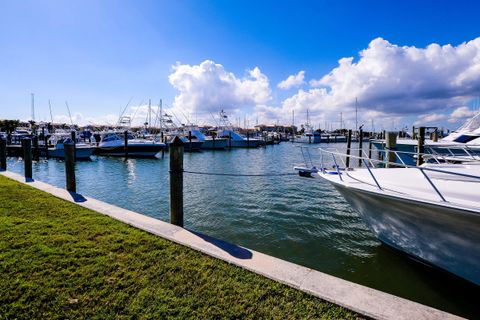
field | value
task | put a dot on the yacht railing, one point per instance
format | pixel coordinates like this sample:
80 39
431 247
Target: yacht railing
366 161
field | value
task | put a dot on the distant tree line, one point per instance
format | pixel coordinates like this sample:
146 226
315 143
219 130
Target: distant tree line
9 125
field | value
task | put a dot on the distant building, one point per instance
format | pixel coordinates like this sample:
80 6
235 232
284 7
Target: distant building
275 128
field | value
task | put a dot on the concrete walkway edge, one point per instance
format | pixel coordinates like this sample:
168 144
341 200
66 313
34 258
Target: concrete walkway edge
358 298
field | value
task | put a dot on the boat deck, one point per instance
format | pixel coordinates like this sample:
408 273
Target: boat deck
400 182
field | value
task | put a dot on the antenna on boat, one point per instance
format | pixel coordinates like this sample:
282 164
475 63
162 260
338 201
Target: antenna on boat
161 115
50 108
356 113
149 113
69 114
126 106
33 106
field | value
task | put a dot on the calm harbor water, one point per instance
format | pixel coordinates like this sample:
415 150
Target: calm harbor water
303 220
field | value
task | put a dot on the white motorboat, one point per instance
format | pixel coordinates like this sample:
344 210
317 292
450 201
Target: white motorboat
235 139
431 212
83 151
466 135
209 142
113 144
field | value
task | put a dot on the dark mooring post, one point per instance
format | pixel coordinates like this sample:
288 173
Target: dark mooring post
36 150
248 139
74 141
391 146
69 149
176 182
162 140
370 149
360 146
421 145
189 141
125 143
435 135
349 144
45 141
3 155
27 158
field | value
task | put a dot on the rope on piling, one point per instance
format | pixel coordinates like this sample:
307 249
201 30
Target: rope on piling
240 174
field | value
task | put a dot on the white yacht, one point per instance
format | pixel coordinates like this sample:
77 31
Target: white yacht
113 144
467 135
431 212
209 142
235 139
58 140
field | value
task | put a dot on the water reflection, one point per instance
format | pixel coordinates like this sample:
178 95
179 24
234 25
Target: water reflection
301 220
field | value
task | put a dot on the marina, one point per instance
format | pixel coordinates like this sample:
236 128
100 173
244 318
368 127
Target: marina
302 220
240 160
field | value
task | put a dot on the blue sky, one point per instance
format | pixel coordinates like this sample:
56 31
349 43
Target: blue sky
99 54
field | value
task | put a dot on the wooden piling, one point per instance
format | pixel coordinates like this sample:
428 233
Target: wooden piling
248 139
176 182
435 135
125 143
391 146
27 158
189 141
420 145
162 140
3 154
36 150
413 133
349 143
69 150
370 149
360 147
45 141
74 141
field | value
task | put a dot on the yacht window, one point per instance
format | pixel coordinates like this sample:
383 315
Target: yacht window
465 138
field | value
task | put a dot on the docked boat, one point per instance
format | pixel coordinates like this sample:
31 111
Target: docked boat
430 212
234 138
57 143
468 135
113 144
309 137
237 140
208 142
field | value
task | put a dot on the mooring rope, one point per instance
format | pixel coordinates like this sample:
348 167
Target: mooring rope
241 174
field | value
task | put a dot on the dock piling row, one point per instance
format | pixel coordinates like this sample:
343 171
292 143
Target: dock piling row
176 182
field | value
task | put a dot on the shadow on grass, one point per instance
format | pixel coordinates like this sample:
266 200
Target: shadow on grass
231 249
77 197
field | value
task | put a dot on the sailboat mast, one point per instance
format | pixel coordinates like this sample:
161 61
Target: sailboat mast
161 116
69 114
33 107
356 114
50 108
149 113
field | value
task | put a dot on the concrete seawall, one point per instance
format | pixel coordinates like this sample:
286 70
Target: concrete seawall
364 300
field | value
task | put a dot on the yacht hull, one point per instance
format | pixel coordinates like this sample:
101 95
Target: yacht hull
442 236
252 143
80 153
217 144
141 151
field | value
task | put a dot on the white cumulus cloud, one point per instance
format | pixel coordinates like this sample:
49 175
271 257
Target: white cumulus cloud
461 113
208 87
293 81
395 80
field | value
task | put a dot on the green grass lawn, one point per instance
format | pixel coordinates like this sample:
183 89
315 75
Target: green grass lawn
59 260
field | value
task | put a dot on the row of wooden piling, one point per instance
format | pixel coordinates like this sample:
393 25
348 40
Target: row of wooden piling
390 146
176 172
